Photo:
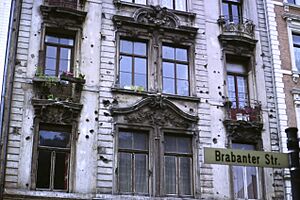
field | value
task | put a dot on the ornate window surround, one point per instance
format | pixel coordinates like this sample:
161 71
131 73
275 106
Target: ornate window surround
157 26
157 116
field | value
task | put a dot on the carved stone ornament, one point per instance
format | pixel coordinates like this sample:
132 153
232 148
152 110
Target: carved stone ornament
158 111
154 17
54 112
243 131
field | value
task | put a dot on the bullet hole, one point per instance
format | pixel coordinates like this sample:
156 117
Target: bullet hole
105 160
110 63
262 54
91 61
191 110
220 120
206 92
271 110
91 131
271 116
92 45
218 72
219 87
96 112
223 97
27 138
87 136
108 72
217 107
214 71
103 16
205 66
206 101
78 133
96 119
82 38
87 120
106 103
224 82
32 55
201 91
106 114
27 184
35 35
101 124
219 136
215 141
220 93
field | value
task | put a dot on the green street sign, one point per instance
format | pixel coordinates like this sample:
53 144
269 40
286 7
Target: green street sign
245 158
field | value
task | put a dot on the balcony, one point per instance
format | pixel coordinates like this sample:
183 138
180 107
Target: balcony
63 89
69 10
243 123
237 31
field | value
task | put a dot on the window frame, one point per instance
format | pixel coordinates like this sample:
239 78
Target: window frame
174 2
175 62
37 147
258 171
134 2
230 16
119 54
58 50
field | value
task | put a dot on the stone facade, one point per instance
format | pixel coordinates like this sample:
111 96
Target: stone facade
94 106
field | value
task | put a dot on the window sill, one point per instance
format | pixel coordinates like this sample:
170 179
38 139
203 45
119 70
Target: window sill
147 93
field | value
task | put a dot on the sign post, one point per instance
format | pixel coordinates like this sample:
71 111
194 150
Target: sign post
293 147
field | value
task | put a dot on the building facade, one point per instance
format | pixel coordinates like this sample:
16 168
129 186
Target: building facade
117 100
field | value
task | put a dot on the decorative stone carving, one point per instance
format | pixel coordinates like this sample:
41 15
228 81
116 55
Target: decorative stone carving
53 112
157 111
156 15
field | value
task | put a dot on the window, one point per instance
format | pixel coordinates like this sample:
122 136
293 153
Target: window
59 54
144 2
296 47
178 159
232 10
175 70
133 153
175 4
245 179
297 2
237 84
133 64
53 158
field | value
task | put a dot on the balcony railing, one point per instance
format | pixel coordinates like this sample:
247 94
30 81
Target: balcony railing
73 4
237 26
250 113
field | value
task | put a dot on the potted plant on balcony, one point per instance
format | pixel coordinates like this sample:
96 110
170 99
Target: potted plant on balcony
69 76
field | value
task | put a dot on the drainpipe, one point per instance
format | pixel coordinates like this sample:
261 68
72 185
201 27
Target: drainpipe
293 147
6 96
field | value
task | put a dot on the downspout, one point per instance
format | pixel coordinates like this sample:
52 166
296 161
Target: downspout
10 62
274 86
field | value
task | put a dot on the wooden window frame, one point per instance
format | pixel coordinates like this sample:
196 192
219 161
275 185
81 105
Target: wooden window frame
54 150
295 45
229 4
175 62
59 46
235 76
132 55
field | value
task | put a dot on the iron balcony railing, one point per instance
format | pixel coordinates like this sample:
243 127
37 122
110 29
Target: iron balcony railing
251 112
237 26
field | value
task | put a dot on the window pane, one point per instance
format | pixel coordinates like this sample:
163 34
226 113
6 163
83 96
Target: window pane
296 39
168 70
181 54
50 68
125 172
170 144
126 46
125 140
167 3
65 53
182 71
185 176
140 65
231 90
235 13
140 47
140 80
170 174
297 57
242 91
125 79
141 173
61 171
43 169
238 181
225 10
51 52
169 86
125 64
140 141
51 39
184 145
180 5
64 66
141 2
183 88
251 182
168 52
66 41
54 139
